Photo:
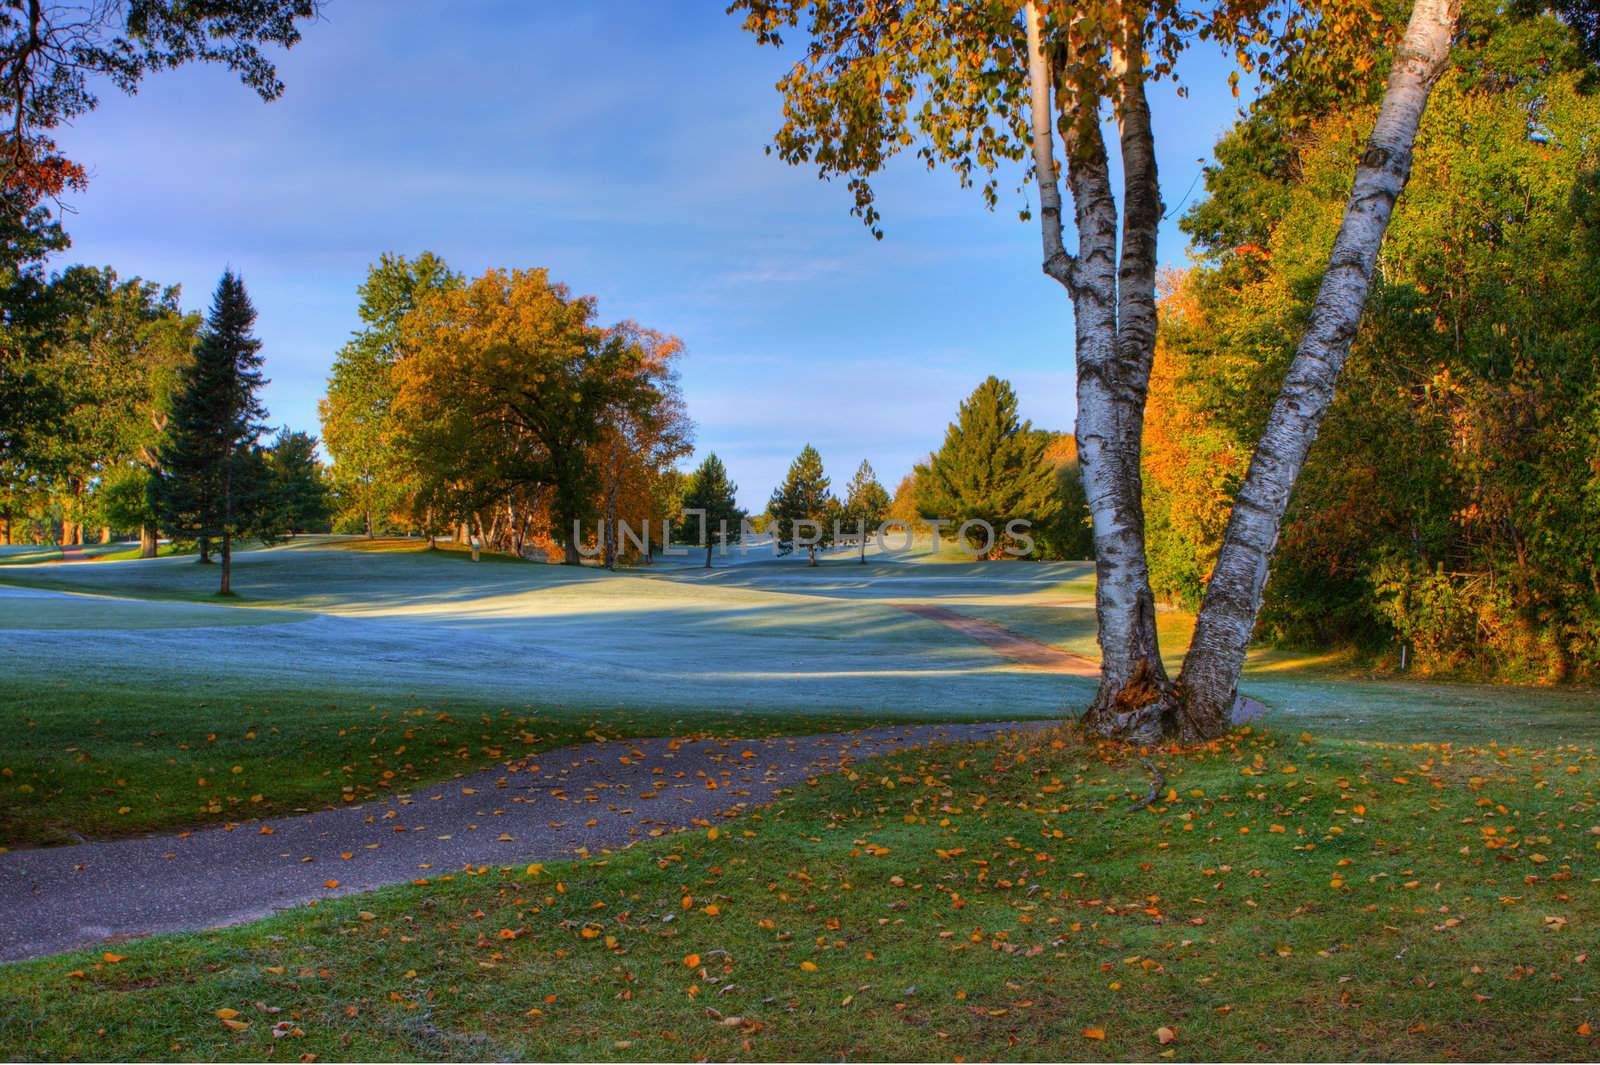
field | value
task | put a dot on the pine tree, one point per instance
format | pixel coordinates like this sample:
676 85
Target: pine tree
213 482
991 467
300 496
865 503
804 497
710 491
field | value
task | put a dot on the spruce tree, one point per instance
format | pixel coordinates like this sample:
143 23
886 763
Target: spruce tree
301 501
991 467
866 503
710 491
213 482
803 496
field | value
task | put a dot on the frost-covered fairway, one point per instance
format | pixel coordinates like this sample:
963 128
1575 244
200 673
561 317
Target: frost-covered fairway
131 698
753 636
761 637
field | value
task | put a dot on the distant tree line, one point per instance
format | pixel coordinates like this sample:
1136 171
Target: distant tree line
992 467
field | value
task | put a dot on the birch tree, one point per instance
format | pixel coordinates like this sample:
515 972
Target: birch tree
987 89
1209 681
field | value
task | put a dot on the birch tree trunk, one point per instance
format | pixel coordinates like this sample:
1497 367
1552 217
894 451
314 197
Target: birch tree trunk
1114 315
1210 679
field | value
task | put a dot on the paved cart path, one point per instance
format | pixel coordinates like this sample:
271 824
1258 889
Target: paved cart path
554 805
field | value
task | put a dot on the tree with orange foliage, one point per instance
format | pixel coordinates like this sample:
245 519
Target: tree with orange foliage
507 387
646 429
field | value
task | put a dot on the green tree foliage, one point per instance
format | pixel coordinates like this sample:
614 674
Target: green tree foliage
866 505
123 502
213 482
108 351
371 483
300 497
1451 501
116 352
710 492
1066 535
991 467
802 509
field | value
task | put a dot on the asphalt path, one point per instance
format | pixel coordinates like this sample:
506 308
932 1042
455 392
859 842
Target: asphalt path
563 803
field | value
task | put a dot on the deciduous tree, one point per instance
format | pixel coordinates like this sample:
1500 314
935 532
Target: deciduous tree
372 483
980 87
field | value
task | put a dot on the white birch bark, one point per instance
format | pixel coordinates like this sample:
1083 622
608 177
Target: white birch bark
1210 678
1111 373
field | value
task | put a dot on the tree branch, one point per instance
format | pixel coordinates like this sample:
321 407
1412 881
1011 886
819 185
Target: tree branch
1057 262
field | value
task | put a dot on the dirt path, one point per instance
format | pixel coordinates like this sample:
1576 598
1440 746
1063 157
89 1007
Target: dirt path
1020 649
563 802
74 553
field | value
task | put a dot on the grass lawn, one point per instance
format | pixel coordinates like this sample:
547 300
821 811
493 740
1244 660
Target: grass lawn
91 758
149 704
1287 898
345 672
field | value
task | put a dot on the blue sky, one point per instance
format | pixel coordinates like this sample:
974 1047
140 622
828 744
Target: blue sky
621 146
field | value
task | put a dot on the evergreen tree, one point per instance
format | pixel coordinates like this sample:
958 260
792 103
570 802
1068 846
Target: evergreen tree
991 467
300 495
803 497
213 482
866 503
710 491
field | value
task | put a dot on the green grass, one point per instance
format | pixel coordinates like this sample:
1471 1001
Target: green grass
84 757
1287 899
113 710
